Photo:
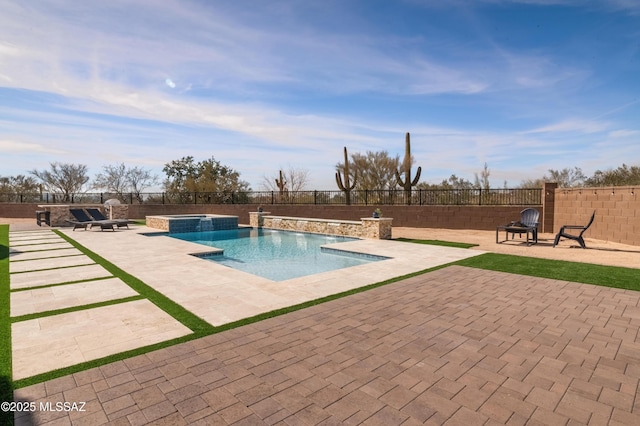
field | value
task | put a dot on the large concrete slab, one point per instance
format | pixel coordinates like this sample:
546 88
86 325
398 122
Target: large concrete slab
48 263
53 342
37 247
57 276
219 294
67 296
44 254
22 238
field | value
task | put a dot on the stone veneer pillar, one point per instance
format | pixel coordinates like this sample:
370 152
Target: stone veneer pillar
118 211
377 228
256 219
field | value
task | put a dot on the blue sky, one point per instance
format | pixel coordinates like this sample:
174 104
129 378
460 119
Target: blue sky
522 85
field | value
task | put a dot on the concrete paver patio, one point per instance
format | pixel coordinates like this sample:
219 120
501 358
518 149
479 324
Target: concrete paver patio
456 346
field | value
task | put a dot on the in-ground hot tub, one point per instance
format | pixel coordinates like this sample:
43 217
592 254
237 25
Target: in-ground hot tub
192 222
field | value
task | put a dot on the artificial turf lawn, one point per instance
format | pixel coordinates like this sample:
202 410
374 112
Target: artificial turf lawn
586 273
436 243
6 381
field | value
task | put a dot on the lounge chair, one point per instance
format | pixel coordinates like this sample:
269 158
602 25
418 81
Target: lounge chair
82 221
582 229
97 215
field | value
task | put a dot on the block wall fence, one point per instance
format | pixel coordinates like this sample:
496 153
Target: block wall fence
617 212
617 217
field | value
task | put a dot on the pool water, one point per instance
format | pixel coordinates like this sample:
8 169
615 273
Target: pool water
276 255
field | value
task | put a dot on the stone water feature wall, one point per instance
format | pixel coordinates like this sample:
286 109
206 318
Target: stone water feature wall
375 228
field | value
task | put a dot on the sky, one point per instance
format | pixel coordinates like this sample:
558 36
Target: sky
521 85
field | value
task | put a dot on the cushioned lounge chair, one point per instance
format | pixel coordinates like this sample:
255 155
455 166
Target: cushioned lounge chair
581 229
97 215
82 220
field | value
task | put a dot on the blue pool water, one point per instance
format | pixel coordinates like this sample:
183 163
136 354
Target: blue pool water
276 255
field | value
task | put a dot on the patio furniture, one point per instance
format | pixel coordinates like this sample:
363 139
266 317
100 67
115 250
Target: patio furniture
97 215
576 228
528 224
83 220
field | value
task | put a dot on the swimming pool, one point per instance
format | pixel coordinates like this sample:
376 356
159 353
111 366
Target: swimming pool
276 255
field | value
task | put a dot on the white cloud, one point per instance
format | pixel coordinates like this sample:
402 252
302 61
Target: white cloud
13 146
623 133
578 126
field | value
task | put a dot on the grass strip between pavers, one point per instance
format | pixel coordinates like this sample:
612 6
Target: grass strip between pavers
6 375
53 268
46 258
43 314
37 287
436 243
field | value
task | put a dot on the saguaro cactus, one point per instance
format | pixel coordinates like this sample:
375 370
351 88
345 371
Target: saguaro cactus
281 183
344 184
407 183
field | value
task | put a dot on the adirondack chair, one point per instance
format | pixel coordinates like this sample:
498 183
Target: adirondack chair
579 229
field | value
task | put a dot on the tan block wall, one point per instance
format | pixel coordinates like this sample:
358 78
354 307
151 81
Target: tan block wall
617 212
448 217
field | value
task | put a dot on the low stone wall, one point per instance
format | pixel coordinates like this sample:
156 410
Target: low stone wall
375 228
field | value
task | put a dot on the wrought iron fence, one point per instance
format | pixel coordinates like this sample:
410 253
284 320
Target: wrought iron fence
421 197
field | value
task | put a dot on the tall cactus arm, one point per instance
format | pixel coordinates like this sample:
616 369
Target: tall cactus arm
399 179
355 179
417 178
339 181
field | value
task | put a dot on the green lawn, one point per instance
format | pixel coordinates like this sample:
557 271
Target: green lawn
587 273
436 243
6 382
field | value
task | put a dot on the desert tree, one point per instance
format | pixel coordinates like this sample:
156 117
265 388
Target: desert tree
292 179
375 170
482 178
209 180
63 178
565 178
122 180
15 187
623 175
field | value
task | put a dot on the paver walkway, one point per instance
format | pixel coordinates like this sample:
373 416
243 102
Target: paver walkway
457 345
